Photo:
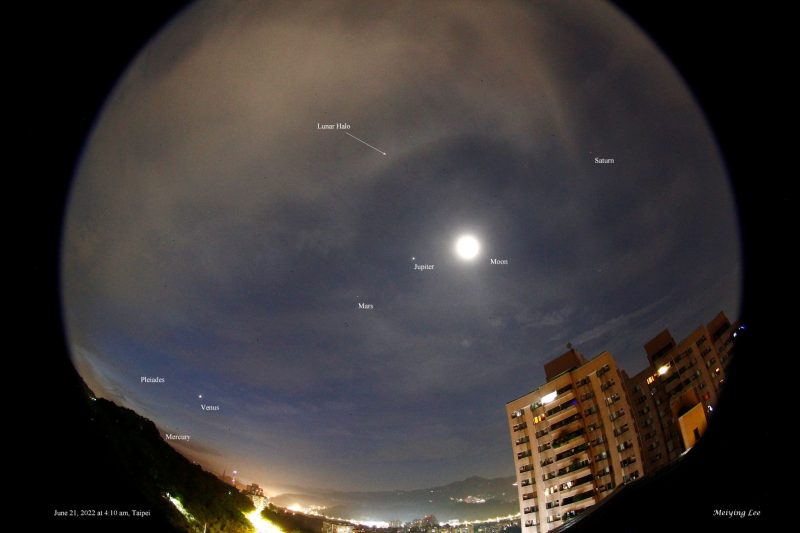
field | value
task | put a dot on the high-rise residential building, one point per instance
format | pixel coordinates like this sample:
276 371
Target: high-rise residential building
723 334
674 396
574 440
254 489
591 428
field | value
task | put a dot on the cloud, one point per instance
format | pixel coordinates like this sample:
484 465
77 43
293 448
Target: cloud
617 323
215 236
537 319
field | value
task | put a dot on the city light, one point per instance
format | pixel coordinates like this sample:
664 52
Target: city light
487 520
314 510
371 523
663 370
179 506
261 524
547 398
296 507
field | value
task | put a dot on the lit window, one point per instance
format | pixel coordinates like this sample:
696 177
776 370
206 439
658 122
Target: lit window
547 398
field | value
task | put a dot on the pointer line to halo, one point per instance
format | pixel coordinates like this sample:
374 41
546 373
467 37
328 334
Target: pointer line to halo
359 140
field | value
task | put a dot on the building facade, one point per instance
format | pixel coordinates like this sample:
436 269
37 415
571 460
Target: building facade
674 396
574 440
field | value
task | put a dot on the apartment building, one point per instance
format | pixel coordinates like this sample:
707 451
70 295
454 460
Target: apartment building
574 440
673 398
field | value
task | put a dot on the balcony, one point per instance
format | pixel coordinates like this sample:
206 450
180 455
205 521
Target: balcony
522 440
672 378
569 515
630 477
562 440
607 486
569 453
618 413
525 468
565 422
600 457
608 384
583 496
603 472
624 446
564 390
520 427
529 510
598 441
562 408
523 454
526 482
529 496
619 431
572 485
579 465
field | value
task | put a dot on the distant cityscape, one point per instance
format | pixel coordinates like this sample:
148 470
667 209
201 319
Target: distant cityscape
577 439
314 518
590 428
289 520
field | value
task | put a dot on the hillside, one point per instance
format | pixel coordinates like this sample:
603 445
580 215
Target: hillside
157 470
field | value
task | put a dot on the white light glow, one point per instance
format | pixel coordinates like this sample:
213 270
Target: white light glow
663 370
547 398
467 247
261 524
179 506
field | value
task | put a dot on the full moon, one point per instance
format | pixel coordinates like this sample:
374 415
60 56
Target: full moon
467 247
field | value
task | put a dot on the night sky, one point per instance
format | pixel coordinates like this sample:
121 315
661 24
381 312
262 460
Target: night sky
216 238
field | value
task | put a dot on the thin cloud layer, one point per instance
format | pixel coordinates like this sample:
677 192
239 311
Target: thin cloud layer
216 237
